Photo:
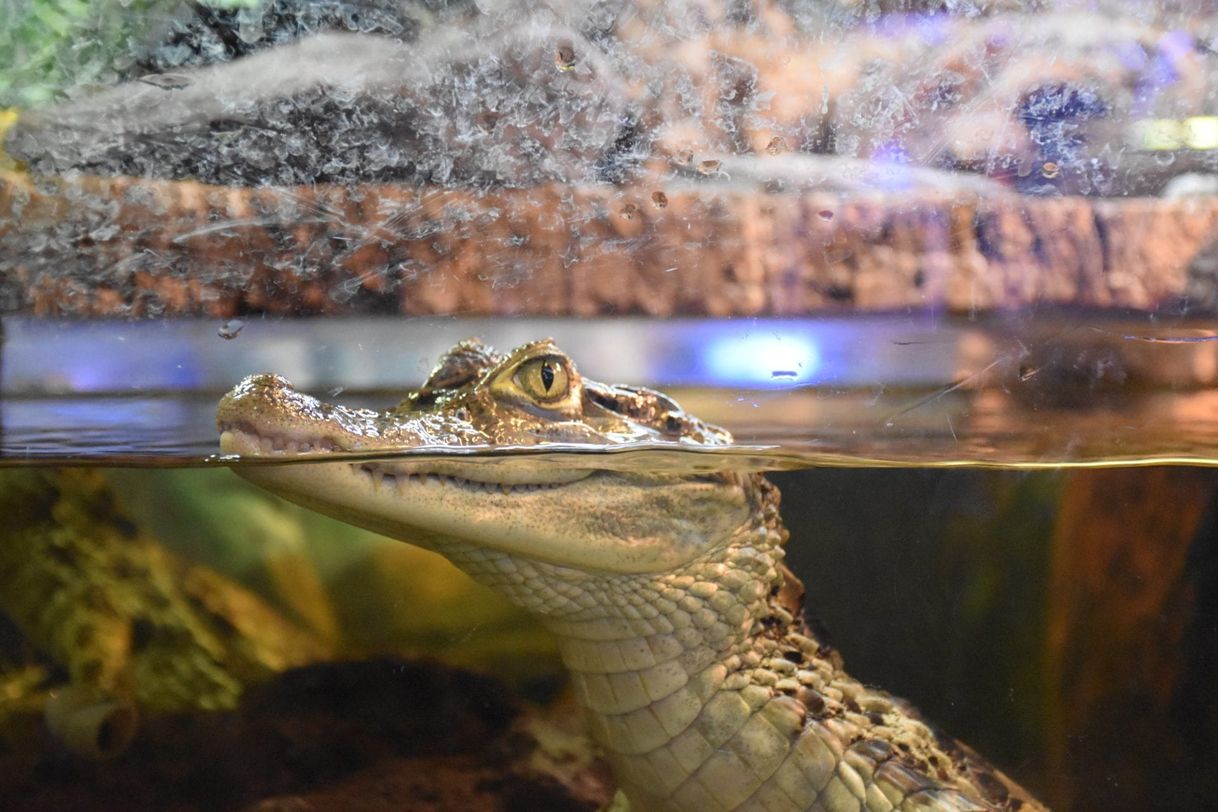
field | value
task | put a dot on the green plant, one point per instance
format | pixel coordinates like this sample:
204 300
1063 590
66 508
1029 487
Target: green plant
49 46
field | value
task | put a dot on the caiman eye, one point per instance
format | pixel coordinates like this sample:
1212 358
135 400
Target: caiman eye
545 380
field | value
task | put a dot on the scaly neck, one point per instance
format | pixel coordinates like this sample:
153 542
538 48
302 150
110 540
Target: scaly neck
666 665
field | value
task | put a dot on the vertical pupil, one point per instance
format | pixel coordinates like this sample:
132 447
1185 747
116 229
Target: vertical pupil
547 375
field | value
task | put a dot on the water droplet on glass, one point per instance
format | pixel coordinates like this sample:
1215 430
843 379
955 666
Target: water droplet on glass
709 167
1050 169
564 57
229 329
166 81
659 199
825 214
1165 158
777 144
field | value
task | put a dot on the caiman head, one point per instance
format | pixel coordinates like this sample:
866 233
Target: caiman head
578 513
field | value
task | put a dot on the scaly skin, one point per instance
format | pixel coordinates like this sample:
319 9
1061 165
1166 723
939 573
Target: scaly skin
680 625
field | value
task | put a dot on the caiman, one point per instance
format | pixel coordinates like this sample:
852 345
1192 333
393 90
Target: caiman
680 626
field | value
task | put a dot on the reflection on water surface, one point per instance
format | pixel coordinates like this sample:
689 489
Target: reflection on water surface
774 431
795 393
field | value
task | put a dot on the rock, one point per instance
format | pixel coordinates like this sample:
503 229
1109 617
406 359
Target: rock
385 734
509 93
461 107
717 246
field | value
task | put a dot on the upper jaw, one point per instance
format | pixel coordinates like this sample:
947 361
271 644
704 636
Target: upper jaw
263 416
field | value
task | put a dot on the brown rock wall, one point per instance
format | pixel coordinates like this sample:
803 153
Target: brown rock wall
127 247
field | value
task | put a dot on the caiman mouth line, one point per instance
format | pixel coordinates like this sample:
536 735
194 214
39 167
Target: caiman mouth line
398 478
275 445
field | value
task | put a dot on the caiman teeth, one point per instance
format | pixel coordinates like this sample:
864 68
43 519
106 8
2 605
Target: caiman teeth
281 443
384 477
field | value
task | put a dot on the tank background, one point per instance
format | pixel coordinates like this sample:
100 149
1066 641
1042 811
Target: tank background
935 584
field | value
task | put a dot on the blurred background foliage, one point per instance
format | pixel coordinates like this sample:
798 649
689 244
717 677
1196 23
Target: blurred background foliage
47 46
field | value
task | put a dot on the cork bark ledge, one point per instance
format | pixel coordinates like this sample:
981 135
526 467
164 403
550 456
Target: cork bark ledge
91 246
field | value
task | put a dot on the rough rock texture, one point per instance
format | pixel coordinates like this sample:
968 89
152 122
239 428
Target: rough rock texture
461 108
379 735
509 93
590 158
88 246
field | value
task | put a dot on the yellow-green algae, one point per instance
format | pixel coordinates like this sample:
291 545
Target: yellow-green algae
131 624
169 591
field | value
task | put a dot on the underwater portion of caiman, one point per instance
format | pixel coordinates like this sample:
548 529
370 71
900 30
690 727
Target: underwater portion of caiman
680 626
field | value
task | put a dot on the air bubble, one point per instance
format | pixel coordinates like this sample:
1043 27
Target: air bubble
229 329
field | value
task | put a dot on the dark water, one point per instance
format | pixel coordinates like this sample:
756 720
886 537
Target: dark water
1063 622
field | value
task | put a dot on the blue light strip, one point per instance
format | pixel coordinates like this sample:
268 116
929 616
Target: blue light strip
49 357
